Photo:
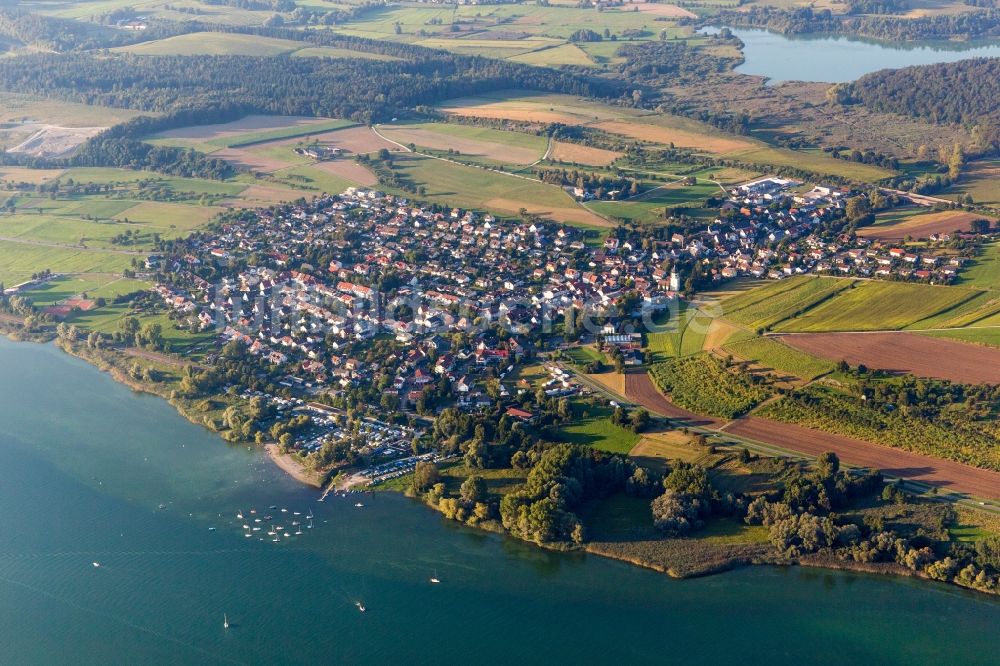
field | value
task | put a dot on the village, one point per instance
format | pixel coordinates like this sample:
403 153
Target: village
349 289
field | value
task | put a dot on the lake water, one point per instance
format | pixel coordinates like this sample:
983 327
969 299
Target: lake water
841 59
85 464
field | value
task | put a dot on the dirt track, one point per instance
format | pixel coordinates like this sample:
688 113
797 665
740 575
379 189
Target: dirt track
916 354
953 476
639 387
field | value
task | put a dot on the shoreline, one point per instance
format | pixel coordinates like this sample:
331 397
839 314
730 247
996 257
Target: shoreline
724 561
292 467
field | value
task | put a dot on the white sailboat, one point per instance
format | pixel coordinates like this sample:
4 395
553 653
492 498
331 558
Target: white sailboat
225 621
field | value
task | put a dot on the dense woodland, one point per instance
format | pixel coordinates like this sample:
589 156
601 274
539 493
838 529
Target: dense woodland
361 90
961 92
659 64
972 25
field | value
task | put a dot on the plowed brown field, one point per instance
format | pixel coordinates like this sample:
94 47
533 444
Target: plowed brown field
922 226
640 388
953 476
906 352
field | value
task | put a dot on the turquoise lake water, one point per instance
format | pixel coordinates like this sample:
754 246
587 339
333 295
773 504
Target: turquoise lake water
85 464
841 59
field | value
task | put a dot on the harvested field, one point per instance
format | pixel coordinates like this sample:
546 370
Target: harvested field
245 159
579 154
920 225
614 381
576 214
262 195
348 170
640 389
498 111
666 11
953 476
26 175
719 333
906 352
357 140
237 127
655 449
679 137
474 147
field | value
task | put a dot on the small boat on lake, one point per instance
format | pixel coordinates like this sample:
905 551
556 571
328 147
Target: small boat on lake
225 621
361 606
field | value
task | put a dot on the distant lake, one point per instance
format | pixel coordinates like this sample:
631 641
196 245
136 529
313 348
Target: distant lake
841 59
92 472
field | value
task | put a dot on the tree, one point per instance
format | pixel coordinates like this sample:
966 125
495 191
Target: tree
640 420
857 207
827 466
475 453
980 226
473 489
675 513
425 475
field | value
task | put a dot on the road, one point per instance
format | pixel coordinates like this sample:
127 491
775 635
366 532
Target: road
963 484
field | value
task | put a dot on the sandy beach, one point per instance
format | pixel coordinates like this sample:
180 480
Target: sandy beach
292 467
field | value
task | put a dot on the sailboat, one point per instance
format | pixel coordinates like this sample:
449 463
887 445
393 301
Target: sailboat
225 621
361 606
434 578
97 565
239 515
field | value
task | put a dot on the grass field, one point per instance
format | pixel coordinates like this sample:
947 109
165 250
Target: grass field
19 260
213 43
591 426
772 354
974 334
108 320
494 146
470 187
70 232
877 306
17 107
981 180
94 286
984 273
529 33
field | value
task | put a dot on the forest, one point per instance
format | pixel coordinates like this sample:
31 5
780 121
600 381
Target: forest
960 92
360 90
973 25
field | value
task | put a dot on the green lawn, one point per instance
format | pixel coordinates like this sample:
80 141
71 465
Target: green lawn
984 336
591 426
18 261
984 273
94 286
470 187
